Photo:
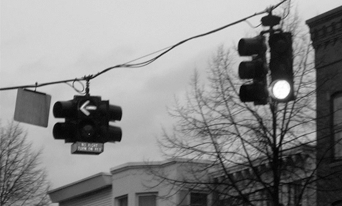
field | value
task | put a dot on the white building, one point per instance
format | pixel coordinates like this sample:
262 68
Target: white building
131 184
139 184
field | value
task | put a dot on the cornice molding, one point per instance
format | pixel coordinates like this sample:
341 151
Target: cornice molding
326 29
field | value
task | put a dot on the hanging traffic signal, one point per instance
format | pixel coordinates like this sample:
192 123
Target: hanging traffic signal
87 120
281 66
256 69
94 116
65 130
110 113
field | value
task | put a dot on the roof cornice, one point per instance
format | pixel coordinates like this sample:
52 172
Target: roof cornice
326 29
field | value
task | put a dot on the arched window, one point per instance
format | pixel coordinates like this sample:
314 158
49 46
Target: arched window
337 125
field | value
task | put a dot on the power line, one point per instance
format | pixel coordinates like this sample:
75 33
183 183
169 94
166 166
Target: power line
167 49
129 64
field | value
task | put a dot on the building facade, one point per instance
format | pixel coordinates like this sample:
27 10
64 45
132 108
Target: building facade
134 184
254 185
326 36
152 184
183 182
94 190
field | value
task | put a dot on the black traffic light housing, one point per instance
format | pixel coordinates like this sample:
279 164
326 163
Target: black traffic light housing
256 69
87 120
110 113
65 130
281 66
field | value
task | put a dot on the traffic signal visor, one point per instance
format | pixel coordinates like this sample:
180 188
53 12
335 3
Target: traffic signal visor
114 134
256 69
252 46
66 131
114 113
256 92
64 109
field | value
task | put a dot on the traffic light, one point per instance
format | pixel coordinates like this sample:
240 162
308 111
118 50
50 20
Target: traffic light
65 130
87 120
110 113
281 66
256 69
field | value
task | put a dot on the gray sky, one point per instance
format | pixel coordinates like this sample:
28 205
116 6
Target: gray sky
45 40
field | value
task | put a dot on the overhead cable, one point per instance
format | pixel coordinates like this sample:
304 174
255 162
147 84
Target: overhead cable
129 64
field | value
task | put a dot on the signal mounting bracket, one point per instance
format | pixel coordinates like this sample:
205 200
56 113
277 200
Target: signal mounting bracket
270 20
87 79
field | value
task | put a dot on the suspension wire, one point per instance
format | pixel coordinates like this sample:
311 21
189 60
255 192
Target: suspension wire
80 91
36 85
167 49
144 63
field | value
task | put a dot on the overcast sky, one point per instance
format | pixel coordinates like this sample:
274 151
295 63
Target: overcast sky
45 40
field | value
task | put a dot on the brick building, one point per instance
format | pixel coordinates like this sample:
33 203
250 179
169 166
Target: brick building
326 36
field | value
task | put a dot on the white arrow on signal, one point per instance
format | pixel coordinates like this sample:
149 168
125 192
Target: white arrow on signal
85 108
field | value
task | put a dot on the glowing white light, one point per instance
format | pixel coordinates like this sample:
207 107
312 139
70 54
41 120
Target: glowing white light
280 89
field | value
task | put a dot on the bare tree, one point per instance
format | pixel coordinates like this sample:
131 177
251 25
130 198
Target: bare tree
22 180
249 145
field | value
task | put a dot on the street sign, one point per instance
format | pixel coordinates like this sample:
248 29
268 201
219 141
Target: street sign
32 107
86 148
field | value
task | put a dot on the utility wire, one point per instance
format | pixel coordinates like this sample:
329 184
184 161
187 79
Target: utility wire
36 85
145 63
167 49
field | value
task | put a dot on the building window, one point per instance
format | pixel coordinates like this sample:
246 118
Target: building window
295 193
122 201
147 199
337 125
236 201
265 197
198 199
